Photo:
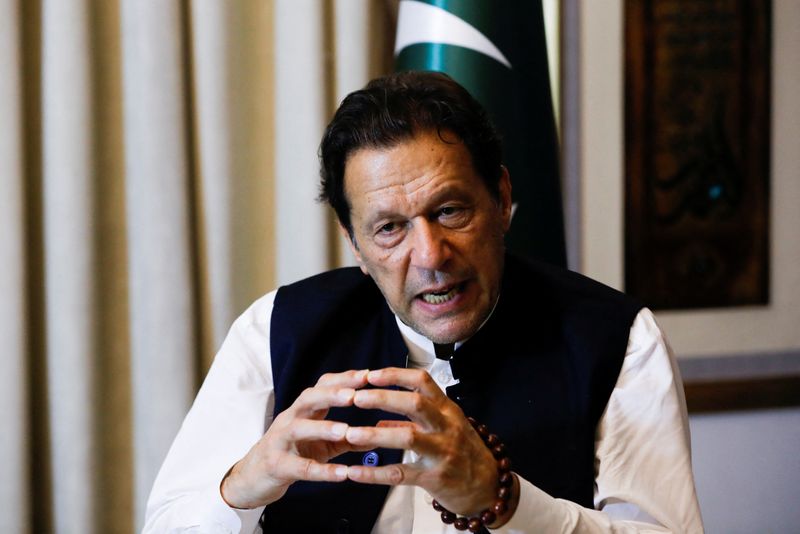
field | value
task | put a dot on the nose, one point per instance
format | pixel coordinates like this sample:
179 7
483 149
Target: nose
430 247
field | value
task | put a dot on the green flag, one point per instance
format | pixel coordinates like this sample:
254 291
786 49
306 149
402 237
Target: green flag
497 50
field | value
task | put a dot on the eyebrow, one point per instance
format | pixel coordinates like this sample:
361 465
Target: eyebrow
450 193
444 195
381 214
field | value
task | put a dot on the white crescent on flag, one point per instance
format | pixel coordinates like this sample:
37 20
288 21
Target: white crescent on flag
418 22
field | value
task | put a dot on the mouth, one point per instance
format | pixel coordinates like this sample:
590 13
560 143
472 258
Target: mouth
442 295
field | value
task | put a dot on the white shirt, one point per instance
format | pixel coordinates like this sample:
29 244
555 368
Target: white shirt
643 480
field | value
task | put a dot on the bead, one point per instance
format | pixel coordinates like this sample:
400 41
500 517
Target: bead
492 440
473 422
448 517
506 479
488 517
499 451
461 523
499 507
483 430
436 506
504 465
504 493
474 524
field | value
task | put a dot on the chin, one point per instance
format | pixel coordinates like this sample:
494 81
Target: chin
451 334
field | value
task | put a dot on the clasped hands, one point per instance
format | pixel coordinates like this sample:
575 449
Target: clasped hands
454 465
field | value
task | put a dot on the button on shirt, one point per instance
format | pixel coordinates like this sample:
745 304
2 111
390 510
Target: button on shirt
643 479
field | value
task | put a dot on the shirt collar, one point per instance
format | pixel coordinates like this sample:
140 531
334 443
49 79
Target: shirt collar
420 348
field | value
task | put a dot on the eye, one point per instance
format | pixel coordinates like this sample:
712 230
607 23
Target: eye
450 212
453 215
389 234
388 228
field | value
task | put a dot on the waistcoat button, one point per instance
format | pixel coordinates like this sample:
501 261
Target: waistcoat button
370 459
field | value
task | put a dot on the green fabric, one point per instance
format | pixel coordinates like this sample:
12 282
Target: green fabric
477 13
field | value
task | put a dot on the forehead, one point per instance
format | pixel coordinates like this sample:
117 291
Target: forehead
421 166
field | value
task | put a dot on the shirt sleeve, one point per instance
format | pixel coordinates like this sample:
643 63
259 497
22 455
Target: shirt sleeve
230 414
643 479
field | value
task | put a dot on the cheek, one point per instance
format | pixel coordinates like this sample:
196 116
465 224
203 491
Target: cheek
386 261
391 277
381 267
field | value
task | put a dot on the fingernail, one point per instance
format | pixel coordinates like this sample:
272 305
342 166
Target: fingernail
359 396
346 394
341 471
339 430
355 433
375 373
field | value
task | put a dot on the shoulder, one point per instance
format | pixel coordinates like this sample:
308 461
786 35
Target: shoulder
303 297
296 309
333 284
326 285
325 299
257 315
564 289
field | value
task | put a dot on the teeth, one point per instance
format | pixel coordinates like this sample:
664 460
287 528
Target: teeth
433 298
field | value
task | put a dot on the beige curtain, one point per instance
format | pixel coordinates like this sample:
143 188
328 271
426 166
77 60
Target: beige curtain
157 173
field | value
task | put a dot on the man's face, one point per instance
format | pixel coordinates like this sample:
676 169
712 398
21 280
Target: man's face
429 233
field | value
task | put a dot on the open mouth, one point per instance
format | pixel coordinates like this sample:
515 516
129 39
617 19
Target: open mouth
441 296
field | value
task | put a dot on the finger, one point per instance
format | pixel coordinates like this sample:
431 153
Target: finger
413 379
312 429
299 468
355 448
316 400
405 437
392 475
393 423
414 405
347 379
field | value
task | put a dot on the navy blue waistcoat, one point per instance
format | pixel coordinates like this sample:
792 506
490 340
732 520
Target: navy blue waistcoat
538 374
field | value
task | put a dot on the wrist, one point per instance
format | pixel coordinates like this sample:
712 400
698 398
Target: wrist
235 493
225 491
238 490
513 502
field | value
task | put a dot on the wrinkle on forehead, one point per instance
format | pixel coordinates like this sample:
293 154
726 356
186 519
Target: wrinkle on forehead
397 165
405 171
426 186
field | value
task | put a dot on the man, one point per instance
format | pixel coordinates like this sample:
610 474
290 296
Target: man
328 410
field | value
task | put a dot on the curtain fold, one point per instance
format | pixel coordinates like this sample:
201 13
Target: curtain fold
68 212
302 100
14 412
158 173
112 364
233 94
161 246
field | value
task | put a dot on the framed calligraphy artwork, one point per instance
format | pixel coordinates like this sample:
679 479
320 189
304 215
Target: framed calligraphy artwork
697 149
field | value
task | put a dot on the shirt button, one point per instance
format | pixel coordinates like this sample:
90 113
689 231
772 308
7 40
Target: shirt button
370 459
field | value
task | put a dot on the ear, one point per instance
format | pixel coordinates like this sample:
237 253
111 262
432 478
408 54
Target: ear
504 188
353 248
